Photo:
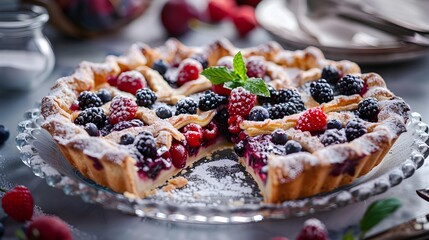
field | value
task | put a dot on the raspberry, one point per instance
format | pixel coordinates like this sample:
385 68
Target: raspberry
210 131
292 147
241 102
258 114
313 229
127 124
4 134
163 112
331 74
234 123
321 91
146 144
88 100
226 61
48 228
160 66
18 203
193 134
145 97
368 109
189 70
350 85
74 106
92 129
186 106
333 136
256 67
334 124
244 20
178 155
220 9
219 89
131 81
104 95
126 139
354 129
314 119
210 100
122 109
112 80
281 110
91 115
279 136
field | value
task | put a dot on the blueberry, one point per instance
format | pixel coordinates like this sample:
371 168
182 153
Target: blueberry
334 124
4 134
279 136
163 112
160 66
126 139
92 129
104 95
258 114
293 147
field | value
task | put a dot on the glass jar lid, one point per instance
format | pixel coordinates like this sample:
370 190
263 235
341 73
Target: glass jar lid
22 17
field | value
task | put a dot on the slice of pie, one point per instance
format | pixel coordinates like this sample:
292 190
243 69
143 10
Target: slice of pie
301 124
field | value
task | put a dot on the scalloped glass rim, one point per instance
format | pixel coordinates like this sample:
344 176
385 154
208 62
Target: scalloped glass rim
221 214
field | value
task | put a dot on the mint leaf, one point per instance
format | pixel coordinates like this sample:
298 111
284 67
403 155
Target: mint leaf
239 66
376 212
257 86
348 235
232 85
218 75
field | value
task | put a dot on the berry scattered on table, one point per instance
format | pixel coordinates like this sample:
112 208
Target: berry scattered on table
189 69
92 129
241 102
333 136
122 109
160 66
145 144
234 123
244 20
4 134
163 112
354 129
186 106
219 89
210 131
350 84
331 74
48 228
131 81
176 15
91 115
104 95
193 134
256 67
281 110
145 97
292 146
220 9
178 155
88 99
334 124
126 139
314 119
210 100
313 229
18 203
279 136
368 109
258 113
321 91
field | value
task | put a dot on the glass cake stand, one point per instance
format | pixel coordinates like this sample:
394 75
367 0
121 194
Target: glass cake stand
219 190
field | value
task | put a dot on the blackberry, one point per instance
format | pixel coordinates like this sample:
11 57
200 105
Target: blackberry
146 144
104 95
210 100
145 97
285 95
127 124
186 106
91 115
333 136
331 74
160 66
126 139
299 104
354 129
88 100
92 129
202 59
273 95
239 149
334 124
222 116
321 91
163 112
292 146
368 109
350 85
279 136
282 109
258 114
4 134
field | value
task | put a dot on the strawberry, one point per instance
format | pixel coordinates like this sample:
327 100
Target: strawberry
18 204
48 228
220 9
244 20
314 119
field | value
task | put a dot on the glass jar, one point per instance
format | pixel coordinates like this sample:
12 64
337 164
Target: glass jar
26 56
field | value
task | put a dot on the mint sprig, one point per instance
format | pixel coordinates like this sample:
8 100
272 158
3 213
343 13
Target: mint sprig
236 78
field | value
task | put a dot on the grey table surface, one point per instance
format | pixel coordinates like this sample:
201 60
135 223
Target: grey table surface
409 80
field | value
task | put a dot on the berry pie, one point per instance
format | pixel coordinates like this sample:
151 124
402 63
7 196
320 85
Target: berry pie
300 124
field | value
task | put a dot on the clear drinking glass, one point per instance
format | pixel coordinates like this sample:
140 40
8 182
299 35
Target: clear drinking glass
26 56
